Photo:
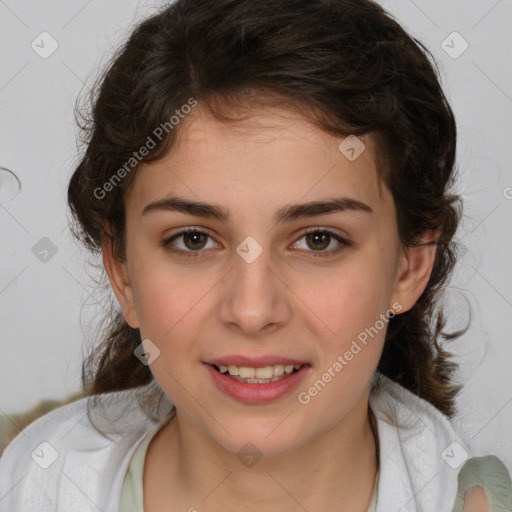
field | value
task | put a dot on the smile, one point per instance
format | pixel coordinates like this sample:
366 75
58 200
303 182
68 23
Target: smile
262 375
257 384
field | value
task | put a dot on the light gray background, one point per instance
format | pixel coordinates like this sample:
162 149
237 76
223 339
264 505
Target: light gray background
45 306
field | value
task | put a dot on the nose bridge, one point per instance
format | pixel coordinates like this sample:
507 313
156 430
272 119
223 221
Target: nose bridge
254 297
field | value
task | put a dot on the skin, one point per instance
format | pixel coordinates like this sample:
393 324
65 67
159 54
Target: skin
288 302
476 500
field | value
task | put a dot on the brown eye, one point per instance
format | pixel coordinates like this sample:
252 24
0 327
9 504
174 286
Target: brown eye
194 240
318 240
191 244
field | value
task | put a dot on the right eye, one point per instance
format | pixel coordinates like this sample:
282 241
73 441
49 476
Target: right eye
193 241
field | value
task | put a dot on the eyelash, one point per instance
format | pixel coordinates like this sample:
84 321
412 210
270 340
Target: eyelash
167 243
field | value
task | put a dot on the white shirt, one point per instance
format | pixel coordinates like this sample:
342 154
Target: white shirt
61 463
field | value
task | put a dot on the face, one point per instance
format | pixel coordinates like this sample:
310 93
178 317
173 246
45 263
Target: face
261 287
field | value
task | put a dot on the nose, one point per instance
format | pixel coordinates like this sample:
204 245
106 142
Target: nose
255 299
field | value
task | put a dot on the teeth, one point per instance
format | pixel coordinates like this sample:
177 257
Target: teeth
278 370
265 372
233 370
246 373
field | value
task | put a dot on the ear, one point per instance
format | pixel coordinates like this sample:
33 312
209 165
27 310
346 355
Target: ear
414 269
117 271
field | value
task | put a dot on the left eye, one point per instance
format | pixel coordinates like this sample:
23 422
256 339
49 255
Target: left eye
319 240
193 241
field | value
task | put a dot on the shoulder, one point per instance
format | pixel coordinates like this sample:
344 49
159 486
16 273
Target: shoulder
489 475
411 417
63 454
421 454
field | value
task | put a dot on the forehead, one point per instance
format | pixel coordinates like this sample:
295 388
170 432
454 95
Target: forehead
272 156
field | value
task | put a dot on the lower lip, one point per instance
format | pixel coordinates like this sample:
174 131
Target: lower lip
257 393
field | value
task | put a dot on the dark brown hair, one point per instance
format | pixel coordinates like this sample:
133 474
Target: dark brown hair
345 65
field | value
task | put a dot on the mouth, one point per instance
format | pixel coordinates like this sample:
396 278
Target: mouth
267 380
258 375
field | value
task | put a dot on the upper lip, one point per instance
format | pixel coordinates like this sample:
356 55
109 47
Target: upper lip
254 362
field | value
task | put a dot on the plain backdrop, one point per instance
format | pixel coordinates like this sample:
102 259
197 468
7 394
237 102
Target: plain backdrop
46 296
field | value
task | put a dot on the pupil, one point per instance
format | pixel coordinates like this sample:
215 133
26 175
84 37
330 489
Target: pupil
196 237
315 237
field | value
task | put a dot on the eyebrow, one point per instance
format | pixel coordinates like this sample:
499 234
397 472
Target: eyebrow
288 213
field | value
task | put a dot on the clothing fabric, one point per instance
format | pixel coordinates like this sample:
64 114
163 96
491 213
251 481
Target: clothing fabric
132 496
490 474
61 462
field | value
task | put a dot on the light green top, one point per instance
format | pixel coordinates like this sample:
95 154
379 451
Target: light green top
491 474
132 496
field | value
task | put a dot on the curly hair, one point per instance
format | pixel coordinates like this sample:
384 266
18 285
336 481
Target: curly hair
345 65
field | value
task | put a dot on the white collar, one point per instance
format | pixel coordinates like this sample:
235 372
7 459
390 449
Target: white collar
89 471
414 476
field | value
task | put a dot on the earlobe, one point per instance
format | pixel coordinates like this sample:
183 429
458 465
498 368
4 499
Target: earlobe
117 272
414 270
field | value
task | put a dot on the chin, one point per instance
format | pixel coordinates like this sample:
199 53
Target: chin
267 437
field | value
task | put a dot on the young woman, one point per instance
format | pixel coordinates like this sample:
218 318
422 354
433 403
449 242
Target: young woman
269 186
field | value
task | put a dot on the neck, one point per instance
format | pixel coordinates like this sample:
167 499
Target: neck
335 471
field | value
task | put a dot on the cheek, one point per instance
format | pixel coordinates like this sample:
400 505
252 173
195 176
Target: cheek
351 297
351 316
355 309
170 310
164 297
